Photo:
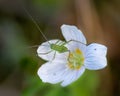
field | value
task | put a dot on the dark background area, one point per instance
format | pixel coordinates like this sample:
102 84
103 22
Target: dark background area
98 19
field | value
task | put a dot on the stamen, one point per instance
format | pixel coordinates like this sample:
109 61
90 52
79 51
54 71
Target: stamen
78 51
70 55
75 59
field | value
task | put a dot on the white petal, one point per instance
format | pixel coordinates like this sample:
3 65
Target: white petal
45 52
72 33
95 57
72 46
62 57
72 75
52 72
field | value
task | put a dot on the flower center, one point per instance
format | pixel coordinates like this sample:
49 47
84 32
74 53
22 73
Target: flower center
75 59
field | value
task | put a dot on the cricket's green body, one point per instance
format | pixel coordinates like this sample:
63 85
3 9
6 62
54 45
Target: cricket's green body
59 48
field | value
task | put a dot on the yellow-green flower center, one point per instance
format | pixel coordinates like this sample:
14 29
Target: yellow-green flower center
75 59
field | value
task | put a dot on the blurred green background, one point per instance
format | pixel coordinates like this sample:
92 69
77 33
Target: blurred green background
98 19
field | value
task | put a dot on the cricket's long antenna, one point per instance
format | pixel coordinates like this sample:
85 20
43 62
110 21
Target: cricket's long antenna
33 46
36 25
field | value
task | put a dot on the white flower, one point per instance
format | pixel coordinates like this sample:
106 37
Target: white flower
67 67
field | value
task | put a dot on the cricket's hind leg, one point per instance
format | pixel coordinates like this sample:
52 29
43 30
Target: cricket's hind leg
75 41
